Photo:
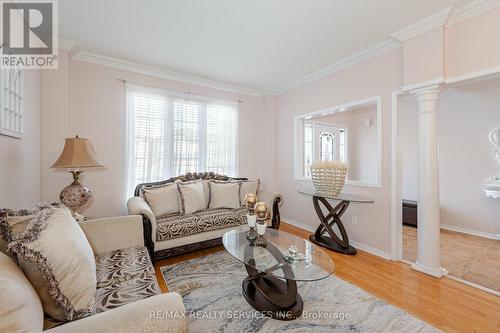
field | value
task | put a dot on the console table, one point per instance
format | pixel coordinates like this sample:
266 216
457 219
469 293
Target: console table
332 217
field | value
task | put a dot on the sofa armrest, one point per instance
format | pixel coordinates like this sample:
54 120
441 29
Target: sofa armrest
160 313
113 233
139 206
273 202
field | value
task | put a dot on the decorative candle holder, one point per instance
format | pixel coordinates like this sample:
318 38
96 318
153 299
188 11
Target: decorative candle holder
261 212
250 200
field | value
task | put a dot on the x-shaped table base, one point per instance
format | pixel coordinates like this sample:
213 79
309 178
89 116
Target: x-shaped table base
333 242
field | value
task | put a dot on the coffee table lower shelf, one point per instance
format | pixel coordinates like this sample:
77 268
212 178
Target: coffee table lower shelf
273 297
271 284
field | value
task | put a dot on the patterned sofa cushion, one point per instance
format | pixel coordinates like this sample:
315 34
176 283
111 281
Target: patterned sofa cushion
124 276
175 225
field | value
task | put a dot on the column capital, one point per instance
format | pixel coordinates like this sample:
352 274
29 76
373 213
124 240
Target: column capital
430 91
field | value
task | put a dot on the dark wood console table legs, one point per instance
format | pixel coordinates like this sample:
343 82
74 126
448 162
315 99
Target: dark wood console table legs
334 242
274 297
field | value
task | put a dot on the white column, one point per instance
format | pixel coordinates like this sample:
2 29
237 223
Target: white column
428 255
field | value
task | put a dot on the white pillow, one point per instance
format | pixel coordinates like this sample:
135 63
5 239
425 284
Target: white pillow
224 194
57 258
248 186
20 307
163 200
191 196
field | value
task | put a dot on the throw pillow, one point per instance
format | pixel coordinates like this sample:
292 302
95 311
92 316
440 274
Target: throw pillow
191 196
224 194
59 262
248 186
12 223
163 199
20 307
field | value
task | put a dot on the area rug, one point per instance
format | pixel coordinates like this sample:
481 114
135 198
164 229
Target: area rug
211 290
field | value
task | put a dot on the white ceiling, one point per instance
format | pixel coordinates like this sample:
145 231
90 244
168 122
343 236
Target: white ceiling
260 44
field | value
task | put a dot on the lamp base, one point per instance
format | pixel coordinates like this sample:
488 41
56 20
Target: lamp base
75 195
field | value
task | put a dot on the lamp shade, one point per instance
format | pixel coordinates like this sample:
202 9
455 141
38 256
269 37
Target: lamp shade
77 153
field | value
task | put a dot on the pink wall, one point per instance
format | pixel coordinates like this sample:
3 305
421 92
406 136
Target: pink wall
408 146
268 144
363 146
473 45
20 158
98 113
378 76
423 57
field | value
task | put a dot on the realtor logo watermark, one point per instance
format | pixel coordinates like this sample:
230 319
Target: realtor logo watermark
28 33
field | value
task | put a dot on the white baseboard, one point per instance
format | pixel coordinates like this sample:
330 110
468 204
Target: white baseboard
358 245
298 224
438 272
371 249
471 231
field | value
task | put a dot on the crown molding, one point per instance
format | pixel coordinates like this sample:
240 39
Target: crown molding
470 10
67 45
163 73
372 52
444 18
427 24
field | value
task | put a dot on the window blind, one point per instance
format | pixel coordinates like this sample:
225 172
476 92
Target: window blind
169 135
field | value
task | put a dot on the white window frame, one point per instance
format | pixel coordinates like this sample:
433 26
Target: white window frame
12 103
306 172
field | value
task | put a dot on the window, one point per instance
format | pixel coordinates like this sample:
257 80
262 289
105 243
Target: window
11 102
169 135
327 146
323 142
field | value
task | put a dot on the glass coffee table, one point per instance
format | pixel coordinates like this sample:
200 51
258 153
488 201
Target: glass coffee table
274 266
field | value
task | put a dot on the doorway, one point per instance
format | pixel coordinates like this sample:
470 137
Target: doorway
470 221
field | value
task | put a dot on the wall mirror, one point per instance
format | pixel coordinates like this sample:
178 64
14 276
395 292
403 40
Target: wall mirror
350 133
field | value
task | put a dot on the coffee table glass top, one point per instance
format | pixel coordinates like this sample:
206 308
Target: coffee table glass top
311 262
340 196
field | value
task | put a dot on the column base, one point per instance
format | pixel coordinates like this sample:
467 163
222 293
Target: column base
438 272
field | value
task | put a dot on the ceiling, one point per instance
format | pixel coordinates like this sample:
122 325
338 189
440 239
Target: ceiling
259 44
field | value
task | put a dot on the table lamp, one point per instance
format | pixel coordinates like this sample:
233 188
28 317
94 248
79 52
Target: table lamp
77 153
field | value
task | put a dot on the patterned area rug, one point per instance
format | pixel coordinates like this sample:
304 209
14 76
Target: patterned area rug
211 289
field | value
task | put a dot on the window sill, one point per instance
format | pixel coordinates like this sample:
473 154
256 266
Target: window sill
347 183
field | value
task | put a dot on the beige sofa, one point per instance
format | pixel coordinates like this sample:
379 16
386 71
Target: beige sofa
176 234
128 297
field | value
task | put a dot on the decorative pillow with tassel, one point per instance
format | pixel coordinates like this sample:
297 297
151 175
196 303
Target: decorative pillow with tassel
57 259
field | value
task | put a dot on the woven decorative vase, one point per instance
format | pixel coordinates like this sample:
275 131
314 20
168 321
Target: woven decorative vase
329 177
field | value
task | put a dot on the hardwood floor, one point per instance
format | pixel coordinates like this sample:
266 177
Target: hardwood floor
447 304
